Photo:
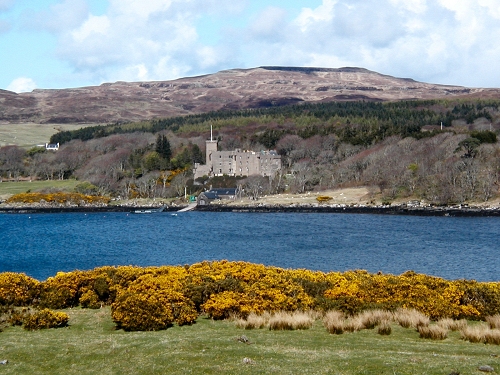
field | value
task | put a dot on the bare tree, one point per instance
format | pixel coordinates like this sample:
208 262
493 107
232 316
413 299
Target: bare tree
255 186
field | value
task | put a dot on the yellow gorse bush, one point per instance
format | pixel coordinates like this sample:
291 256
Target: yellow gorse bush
45 319
17 289
151 298
59 197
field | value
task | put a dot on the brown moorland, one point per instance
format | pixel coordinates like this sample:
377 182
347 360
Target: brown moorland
229 89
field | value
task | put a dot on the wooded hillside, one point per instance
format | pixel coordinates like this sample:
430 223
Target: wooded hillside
443 151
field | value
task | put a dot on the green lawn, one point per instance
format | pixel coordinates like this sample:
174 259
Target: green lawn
10 188
91 345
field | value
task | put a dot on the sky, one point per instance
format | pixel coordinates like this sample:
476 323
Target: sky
73 43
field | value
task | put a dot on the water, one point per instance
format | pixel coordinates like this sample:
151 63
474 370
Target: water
42 244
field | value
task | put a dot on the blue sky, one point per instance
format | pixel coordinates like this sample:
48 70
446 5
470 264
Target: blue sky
73 43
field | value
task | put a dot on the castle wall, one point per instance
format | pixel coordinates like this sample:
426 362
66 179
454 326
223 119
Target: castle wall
237 162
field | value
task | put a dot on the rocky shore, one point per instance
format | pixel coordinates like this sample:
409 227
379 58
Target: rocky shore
359 209
402 209
351 200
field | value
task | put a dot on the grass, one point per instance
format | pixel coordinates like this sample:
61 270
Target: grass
91 345
30 134
11 188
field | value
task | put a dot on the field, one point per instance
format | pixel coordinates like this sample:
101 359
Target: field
30 134
92 345
9 188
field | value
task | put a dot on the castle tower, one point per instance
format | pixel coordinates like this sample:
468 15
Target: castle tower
210 147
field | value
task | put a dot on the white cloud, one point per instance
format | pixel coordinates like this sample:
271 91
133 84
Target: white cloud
443 41
269 24
22 84
94 26
309 17
59 17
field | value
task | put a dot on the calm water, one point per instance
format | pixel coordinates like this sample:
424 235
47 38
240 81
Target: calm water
42 244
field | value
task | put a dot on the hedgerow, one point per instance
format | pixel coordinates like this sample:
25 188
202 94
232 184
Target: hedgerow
153 298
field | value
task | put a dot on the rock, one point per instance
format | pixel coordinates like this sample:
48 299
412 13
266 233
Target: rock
486 368
248 361
243 339
4 362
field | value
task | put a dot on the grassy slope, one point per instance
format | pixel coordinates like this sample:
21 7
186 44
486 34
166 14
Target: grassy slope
91 345
9 188
29 134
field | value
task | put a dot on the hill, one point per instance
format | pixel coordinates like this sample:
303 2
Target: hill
225 90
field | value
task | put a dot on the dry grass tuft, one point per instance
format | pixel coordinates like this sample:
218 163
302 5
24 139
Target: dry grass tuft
384 328
452 324
353 324
481 333
433 332
493 321
492 337
372 318
283 320
253 321
334 322
474 334
411 318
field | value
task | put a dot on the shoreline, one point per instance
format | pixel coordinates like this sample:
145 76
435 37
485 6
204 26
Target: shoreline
450 211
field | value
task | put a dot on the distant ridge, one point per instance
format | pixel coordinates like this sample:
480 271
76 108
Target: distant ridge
315 69
229 89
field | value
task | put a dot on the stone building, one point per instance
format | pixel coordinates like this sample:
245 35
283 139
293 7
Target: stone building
237 162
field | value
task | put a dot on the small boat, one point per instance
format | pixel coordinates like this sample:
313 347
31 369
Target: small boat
149 210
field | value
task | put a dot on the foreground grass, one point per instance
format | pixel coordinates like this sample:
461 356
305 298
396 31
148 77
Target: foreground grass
91 345
11 188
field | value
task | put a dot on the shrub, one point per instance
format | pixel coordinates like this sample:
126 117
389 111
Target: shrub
323 198
62 290
16 316
17 289
45 319
152 303
433 332
90 299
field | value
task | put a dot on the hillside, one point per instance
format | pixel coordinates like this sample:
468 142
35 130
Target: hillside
345 128
229 89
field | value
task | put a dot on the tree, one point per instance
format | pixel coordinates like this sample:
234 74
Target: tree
163 147
255 186
197 154
469 145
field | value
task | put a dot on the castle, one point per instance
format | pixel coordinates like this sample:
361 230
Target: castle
237 162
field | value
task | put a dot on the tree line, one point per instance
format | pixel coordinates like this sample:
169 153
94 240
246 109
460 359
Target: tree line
323 146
